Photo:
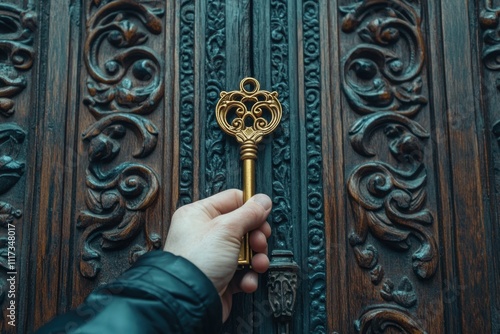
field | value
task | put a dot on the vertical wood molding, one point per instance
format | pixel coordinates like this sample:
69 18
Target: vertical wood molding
382 82
466 151
187 110
281 165
124 84
215 76
316 241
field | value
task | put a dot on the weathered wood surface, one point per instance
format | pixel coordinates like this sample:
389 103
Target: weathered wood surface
383 172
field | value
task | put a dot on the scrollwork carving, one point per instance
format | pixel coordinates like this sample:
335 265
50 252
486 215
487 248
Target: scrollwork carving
124 84
382 81
489 19
16 53
131 81
187 98
389 202
216 77
116 201
11 170
380 318
281 213
315 208
376 75
17 29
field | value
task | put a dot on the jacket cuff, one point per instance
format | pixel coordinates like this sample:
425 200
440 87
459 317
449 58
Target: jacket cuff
177 279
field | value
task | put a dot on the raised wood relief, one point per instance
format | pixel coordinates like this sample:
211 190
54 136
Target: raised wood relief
17 29
16 53
281 212
403 294
382 318
381 80
282 284
215 63
125 84
316 258
490 22
496 131
187 101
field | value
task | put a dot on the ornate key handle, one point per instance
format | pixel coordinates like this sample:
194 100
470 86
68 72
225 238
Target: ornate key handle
248 115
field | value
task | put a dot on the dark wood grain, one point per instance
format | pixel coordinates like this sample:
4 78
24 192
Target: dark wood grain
384 172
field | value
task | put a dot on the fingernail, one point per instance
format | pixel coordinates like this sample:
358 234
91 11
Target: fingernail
263 200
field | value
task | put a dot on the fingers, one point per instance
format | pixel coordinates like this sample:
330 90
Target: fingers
260 263
223 202
249 282
266 229
258 241
248 217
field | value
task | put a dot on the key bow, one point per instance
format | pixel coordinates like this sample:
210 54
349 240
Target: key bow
248 115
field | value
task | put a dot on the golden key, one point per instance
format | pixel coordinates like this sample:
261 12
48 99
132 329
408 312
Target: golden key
248 114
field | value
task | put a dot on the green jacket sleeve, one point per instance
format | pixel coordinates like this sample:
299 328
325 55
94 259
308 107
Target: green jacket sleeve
160 293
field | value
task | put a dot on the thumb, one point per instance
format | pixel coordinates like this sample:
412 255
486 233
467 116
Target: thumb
249 216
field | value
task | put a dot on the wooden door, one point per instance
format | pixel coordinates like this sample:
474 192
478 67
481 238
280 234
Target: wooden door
383 171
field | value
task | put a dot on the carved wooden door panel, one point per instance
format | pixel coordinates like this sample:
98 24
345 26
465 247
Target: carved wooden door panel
383 171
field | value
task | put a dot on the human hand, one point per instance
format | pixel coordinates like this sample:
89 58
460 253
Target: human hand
209 233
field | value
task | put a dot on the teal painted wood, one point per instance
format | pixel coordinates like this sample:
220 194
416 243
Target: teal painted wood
316 246
187 112
214 164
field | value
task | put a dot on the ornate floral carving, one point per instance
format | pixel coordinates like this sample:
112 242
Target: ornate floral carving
377 76
131 80
282 287
380 318
496 130
403 295
489 20
389 202
11 170
281 213
17 28
16 53
216 77
125 83
382 81
315 209
116 200
187 111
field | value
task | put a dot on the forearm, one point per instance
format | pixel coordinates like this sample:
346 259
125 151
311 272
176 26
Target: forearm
161 293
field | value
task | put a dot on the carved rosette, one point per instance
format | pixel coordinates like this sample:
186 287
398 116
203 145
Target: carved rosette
187 98
382 82
282 288
17 29
215 62
125 84
316 263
